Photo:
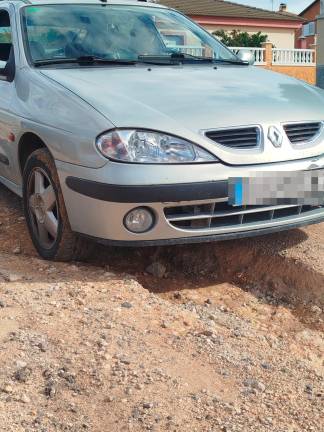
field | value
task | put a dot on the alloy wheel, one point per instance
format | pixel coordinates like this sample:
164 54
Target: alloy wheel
43 208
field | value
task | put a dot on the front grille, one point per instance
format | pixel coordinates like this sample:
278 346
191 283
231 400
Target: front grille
238 138
219 214
302 132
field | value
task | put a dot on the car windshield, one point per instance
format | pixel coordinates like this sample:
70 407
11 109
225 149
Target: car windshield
55 33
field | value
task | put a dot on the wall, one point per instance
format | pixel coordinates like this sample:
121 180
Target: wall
281 38
309 15
312 12
305 73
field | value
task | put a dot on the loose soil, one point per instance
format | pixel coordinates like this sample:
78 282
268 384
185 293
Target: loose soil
229 339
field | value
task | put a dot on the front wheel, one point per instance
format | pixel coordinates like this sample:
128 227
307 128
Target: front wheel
45 211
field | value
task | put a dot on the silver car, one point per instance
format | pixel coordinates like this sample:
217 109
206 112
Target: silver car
126 122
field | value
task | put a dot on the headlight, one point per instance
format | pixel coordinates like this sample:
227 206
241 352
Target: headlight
142 146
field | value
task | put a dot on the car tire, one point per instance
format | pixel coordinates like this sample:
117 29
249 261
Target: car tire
45 211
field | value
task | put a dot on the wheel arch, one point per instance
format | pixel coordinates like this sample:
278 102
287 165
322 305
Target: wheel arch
28 143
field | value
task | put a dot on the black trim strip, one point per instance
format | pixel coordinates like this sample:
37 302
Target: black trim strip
208 238
149 193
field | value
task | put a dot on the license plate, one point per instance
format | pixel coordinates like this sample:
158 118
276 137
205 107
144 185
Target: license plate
278 188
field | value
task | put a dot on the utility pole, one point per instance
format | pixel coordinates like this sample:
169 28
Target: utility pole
272 5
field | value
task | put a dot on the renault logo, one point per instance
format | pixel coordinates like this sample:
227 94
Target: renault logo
275 136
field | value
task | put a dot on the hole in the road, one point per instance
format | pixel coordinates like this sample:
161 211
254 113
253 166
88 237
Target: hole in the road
256 265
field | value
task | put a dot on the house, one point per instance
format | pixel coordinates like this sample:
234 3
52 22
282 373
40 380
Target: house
281 26
306 36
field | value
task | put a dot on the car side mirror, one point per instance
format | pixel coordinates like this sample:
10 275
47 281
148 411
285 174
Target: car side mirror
246 56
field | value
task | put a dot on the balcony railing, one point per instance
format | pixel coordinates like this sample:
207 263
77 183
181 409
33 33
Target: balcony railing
280 57
293 57
259 54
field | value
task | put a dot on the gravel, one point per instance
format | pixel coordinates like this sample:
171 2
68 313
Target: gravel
225 337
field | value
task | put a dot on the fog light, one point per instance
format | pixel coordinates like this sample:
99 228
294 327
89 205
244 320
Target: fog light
139 220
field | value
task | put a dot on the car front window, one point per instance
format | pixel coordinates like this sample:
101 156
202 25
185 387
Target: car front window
116 32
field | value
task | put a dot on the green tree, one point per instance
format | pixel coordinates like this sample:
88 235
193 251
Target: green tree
237 38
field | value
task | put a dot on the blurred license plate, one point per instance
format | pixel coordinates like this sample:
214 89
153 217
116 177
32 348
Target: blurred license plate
278 188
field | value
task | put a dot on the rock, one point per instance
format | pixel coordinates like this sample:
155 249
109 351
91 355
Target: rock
316 310
126 305
14 277
2 305
254 384
21 364
24 399
109 399
139 386
266 366
73 408
50 390
22 374
157 269
42 346
17 250
147 405
207 333
261 387
125 360
67 376
7 388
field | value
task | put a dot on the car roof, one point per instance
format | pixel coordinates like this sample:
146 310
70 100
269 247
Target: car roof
148 3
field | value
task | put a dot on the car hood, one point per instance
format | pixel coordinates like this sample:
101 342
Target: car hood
185 100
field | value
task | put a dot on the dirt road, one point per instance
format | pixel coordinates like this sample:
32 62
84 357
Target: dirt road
221 337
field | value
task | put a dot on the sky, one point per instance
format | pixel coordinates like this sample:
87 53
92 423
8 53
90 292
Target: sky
295 6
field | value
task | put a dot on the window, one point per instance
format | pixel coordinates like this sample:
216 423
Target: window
309 29
5 36
64 31
173 39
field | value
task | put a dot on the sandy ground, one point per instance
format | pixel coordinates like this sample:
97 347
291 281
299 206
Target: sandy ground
229 337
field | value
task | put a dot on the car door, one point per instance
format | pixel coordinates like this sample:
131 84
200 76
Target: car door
7 119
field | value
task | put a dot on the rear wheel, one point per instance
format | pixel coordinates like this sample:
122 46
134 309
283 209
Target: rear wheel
45 211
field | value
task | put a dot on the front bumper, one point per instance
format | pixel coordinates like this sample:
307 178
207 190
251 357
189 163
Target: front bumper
189 202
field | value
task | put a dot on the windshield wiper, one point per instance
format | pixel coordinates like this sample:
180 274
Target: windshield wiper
83 60
234 62
177 58
173 58
161 59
